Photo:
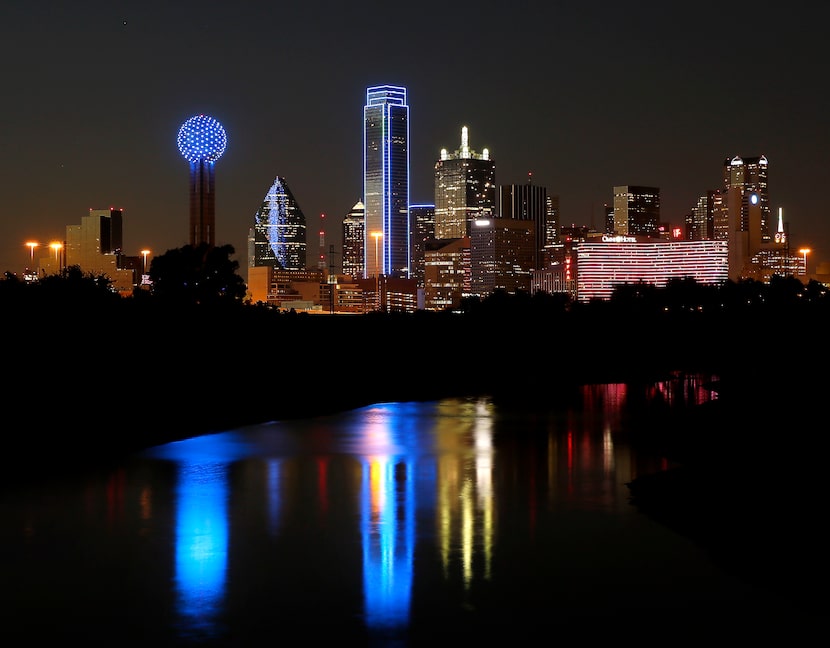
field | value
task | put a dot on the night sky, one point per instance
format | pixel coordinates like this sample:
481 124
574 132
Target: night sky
583 95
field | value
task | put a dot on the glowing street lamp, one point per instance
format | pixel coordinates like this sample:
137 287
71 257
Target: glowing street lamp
805 252
32 245
57 247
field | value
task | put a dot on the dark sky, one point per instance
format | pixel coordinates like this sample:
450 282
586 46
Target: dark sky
583 95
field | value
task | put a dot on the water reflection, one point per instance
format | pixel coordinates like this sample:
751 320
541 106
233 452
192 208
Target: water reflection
201 541
387 521
387 506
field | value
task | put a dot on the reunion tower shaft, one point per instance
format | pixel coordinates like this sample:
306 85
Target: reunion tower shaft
202 203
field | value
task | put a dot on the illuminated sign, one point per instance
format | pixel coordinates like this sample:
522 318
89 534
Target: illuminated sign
607 238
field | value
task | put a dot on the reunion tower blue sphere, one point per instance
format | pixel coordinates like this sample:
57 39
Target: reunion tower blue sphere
202 138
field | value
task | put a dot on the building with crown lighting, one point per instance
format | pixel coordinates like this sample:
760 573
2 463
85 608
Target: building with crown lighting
202 140
386 182
465 189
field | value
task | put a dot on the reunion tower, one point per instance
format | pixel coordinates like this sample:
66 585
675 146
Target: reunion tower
202 141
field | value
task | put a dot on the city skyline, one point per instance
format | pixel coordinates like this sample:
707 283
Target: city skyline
582 99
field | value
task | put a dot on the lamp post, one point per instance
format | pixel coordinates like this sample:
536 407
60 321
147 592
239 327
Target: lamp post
377 236
57 247
31 245
805 252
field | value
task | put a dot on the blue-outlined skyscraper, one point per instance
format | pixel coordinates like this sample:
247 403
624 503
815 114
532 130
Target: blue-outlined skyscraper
280 230
386 182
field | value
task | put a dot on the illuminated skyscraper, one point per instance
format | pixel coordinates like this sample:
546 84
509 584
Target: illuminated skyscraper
279 230
636 210
465 189
747 177
353 241
386 182
202 141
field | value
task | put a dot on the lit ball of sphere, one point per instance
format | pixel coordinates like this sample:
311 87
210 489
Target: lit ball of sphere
202 138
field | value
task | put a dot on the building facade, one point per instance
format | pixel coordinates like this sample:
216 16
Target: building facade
422 223
502 255
528 202
354 227
615 260
96 247
386 182
465 189
636 210
279 231
743 178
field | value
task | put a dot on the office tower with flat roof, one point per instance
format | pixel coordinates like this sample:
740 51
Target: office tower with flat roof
502 255
465 189
386 182
202 141
353 241
422 222
527 202
636 210
279 231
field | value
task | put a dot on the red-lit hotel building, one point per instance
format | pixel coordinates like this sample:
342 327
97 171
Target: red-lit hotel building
617 260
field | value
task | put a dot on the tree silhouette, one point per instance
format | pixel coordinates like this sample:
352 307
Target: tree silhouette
202 274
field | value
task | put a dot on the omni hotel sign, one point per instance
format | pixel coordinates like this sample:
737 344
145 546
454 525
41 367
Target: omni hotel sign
619 238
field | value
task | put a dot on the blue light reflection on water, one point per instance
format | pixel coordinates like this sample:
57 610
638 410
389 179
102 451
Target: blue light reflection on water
201 542
387 503
201 545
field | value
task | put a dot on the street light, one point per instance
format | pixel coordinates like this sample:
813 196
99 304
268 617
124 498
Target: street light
32 245
377 236
805 252
57 247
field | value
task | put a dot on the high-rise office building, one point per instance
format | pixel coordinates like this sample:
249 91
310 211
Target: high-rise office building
747 177
527 202
422 224
279 231
465 189
353 241
202 141
636 210
386 182
700 222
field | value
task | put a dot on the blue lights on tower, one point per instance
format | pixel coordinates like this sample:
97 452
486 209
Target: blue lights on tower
202 138
202 141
